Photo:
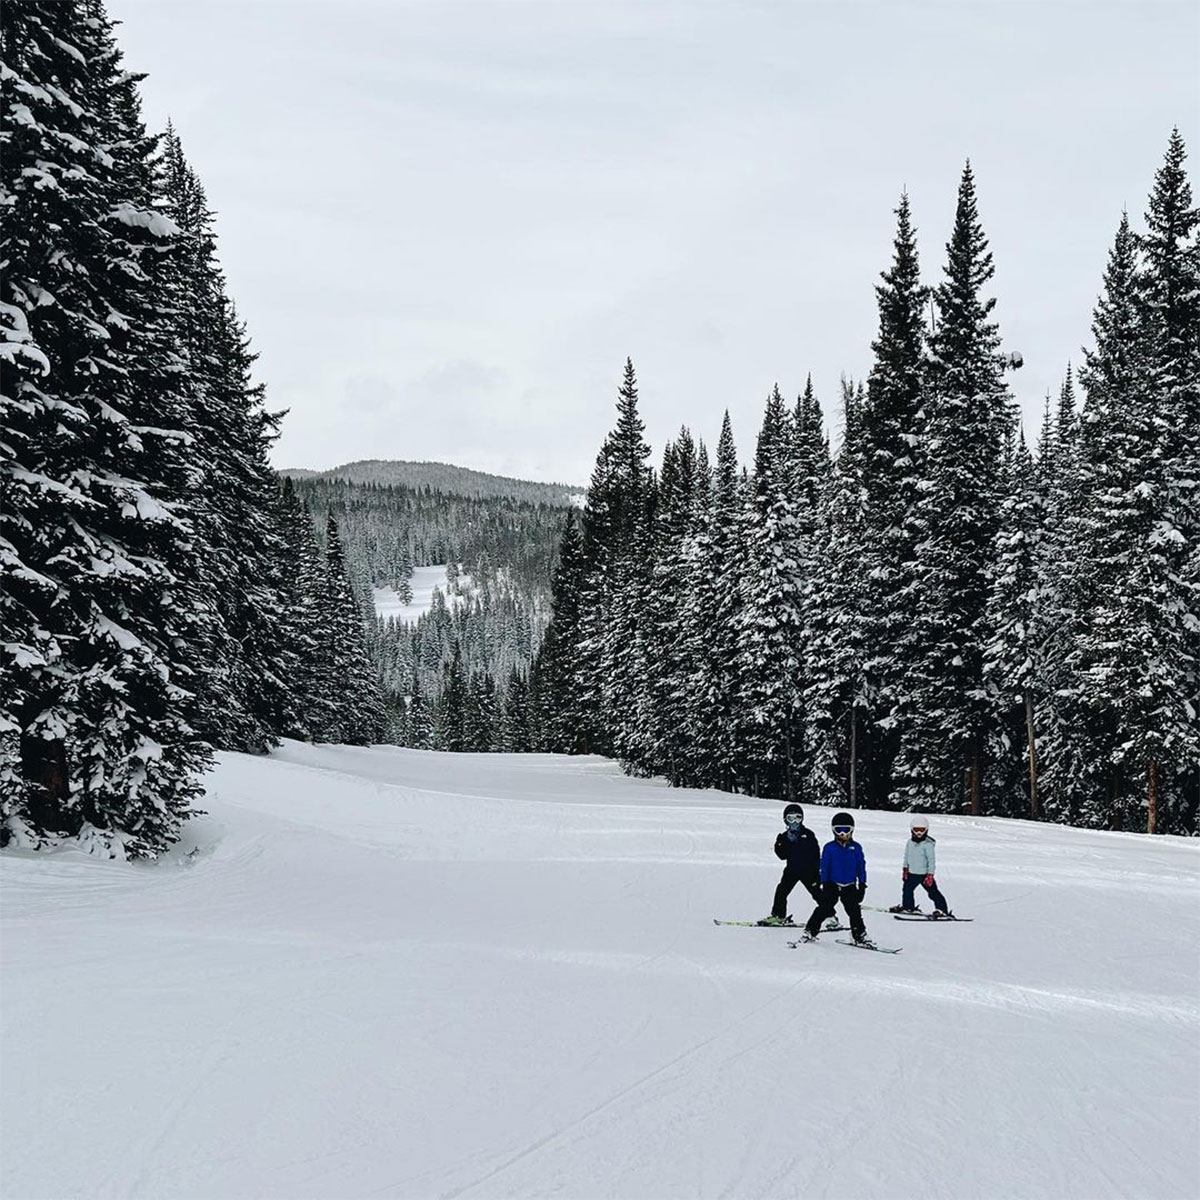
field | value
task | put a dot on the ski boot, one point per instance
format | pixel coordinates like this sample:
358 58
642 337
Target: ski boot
861 939
776 921
808 937
899 908
832 925
941 915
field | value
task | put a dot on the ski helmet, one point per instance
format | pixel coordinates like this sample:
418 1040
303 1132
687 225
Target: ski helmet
842 818
794 810
918 822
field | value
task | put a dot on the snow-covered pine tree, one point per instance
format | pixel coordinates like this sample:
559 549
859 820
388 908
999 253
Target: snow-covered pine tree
302 650
1082 766
890 476
966 420
350 687
556 685
713 622
100 617
613 532
1169 294
515 737
771 643
243 695
838 617
1012 664
450 720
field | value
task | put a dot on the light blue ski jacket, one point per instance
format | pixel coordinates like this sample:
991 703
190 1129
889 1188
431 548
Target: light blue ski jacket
920 857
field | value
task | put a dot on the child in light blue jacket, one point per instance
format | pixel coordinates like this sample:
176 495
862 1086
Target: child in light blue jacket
920 863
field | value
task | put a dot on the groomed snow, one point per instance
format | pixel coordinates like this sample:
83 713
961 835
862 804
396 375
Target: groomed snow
392 973
425 580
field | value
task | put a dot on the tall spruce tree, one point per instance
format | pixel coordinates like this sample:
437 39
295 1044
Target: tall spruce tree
965 423
1012 666
101 618
771 644
891 473
350 688
714 622
243 696
838 702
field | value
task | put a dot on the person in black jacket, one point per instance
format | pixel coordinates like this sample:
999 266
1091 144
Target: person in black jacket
798 847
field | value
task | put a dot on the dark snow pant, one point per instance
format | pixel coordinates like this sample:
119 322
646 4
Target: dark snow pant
910 893
791 876
831 893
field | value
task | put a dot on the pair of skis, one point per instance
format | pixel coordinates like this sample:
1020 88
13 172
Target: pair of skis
825 929
834 928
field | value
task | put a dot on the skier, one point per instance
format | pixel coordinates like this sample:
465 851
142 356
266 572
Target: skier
797 846
844 878
919 865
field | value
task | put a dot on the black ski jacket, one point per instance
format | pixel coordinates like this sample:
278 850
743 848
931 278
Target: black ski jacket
802 853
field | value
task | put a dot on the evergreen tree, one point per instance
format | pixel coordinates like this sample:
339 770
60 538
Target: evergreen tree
965 424
772 649
101 621
350 689
452 706
838 620
1012 656
713 620
243 696
891 472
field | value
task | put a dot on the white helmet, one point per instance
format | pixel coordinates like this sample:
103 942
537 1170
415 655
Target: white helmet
919 822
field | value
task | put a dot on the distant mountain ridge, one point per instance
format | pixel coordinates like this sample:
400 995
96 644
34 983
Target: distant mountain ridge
445 478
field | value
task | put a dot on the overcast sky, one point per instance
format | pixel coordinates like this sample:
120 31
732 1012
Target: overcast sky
447 224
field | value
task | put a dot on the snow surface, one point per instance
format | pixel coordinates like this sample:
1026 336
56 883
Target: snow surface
425 581
391 973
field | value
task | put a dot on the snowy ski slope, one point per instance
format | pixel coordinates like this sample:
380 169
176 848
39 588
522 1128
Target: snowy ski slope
391 973
425 581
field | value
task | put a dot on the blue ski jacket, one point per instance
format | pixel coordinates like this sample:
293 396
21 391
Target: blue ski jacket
844 865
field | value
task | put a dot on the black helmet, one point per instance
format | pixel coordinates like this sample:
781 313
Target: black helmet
842 818
794 809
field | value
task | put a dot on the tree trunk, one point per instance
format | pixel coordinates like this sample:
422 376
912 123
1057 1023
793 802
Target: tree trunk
1035 805
790 776
853 759
1152 798
44 765
973 780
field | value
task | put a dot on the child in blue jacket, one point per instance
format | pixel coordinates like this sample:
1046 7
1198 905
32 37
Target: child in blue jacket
844 878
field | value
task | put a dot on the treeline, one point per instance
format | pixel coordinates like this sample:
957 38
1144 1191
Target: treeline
453 481
451 676
389 529
160 595
936 617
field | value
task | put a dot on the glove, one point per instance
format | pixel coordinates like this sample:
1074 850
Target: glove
904 875
862 891
929 881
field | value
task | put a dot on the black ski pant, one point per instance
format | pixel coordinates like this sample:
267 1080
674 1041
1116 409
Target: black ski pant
910 892
831 893
792 876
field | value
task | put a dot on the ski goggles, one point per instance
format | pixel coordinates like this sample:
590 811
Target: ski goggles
843 829
919 830
794 819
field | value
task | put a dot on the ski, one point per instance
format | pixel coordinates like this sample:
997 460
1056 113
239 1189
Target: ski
929 917
861 946
793 927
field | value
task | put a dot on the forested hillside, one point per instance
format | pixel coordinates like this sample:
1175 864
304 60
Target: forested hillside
442 477
450 678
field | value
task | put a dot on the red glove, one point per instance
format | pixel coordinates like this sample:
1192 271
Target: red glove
904 876
929 881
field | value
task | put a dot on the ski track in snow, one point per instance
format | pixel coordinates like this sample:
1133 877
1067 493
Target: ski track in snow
376 972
